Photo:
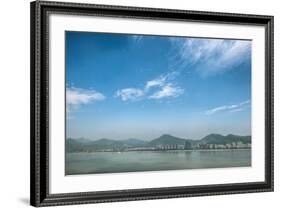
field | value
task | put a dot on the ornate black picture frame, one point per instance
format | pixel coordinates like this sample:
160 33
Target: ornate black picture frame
40 179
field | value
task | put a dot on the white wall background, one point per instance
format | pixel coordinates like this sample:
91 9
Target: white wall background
14 103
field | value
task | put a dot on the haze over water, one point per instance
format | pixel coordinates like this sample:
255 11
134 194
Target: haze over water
115 162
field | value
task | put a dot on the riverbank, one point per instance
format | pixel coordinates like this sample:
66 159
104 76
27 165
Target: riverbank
182 150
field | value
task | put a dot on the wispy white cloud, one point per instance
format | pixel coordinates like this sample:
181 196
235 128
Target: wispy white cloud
211 56
78 96
228 108
160 87
217 109
129 94
158 82
167 90
245 102
161 80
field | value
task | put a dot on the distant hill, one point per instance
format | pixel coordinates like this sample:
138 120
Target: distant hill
88 145
105 142
167 139
127 142
220 139
134 142
83 140
74 145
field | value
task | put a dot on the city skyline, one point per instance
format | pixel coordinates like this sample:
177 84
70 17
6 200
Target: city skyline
121 86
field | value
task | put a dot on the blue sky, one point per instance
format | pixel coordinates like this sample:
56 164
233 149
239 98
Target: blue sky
122 86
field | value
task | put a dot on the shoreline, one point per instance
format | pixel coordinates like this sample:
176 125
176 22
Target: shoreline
191 150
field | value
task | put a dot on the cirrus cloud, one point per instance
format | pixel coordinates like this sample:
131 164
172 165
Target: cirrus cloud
78 96
159 82
229 108
158 88
167 90
129 94
211 56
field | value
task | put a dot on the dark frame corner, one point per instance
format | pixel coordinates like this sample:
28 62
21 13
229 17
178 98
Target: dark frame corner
39 187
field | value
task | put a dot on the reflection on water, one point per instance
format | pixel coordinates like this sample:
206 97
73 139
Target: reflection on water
114 162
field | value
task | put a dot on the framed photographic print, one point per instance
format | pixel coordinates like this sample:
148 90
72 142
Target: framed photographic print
132 103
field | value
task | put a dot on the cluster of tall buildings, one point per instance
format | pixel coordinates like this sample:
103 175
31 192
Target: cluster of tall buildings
233 145
170 147
187 145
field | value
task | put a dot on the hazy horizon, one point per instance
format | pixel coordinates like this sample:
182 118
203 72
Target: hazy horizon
145 139
121 86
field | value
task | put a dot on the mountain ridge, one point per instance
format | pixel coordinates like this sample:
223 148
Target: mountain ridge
84 145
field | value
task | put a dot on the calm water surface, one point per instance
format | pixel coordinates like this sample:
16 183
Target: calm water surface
114 162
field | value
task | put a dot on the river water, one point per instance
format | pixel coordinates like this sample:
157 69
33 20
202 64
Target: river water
116 162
